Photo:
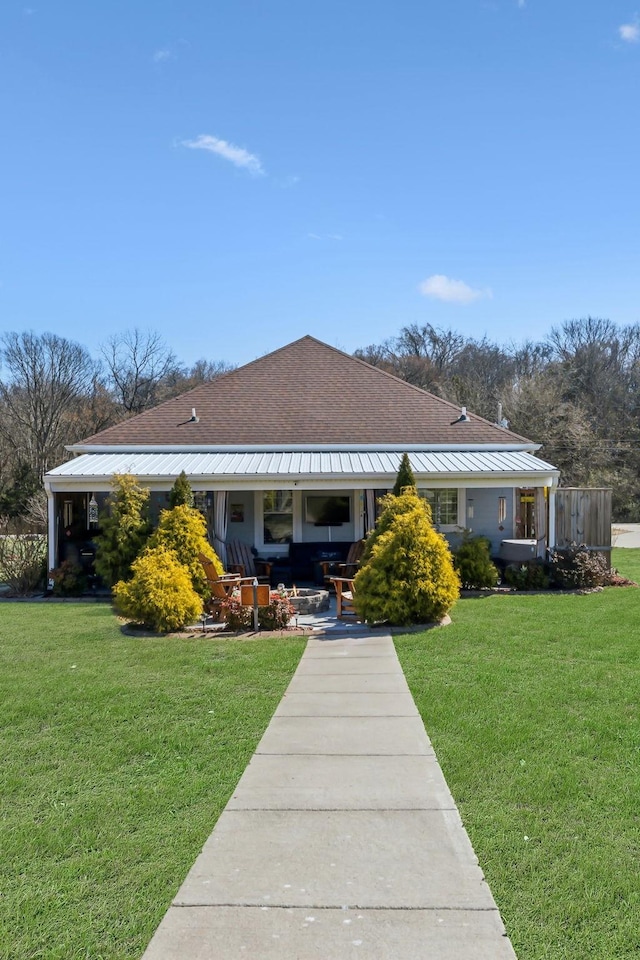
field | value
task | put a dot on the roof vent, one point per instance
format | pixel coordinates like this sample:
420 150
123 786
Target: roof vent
463 418
502 421
193 418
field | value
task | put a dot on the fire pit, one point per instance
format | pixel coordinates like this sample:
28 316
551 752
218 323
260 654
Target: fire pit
308 599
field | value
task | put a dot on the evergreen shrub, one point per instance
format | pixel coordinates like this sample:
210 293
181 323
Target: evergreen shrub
181 493
184 530
406 573
405 477
472 560
529 575
160 594
124 530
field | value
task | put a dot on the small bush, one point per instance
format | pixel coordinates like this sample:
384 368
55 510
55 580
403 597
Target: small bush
406 573
472 560
160 594
69 580
577 567
276 616
530 575
22 561
183 530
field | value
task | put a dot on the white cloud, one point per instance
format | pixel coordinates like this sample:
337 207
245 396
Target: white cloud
444 288
161 55
630 31
522 3
238 156
325 236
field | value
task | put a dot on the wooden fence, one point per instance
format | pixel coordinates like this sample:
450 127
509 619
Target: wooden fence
583 515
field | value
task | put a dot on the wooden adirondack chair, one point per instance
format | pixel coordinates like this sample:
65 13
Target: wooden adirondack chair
345 608
334 568
242 561
221 587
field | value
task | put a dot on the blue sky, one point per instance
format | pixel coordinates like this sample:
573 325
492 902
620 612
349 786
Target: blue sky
237 173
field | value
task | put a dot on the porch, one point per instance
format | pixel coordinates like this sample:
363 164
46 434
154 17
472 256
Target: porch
296 509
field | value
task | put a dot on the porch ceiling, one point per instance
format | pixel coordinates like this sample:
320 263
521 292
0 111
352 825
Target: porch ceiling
357 467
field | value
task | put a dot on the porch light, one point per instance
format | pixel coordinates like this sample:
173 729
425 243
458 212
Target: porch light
93 510
470 509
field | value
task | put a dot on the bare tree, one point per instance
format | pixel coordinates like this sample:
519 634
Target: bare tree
45 377
530 358
536 408
137 363
420 355
599 361
181 379
478 376
441 347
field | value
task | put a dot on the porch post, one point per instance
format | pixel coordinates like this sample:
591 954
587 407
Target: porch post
220 534
52 538
540 520
552 519
359 514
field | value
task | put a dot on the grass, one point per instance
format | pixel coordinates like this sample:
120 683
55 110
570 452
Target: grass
627 561
118 755
532 704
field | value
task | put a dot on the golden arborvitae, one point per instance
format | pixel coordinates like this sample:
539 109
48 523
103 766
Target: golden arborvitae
406 573
183 530
160 594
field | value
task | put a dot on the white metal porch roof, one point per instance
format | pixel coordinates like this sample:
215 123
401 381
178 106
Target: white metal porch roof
349 466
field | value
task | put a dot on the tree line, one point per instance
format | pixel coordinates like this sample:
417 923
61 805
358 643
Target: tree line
575 391
53 392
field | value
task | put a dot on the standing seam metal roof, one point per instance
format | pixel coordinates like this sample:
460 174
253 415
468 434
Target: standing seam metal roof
348 464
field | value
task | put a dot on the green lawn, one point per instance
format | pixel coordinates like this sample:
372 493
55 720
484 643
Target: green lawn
532 704
628 562
118 755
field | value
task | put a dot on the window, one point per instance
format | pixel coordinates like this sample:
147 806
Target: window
278 516
444 506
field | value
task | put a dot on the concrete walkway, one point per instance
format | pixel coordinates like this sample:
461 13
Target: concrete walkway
342 840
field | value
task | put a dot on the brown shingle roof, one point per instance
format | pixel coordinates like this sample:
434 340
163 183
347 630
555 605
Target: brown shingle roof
306 392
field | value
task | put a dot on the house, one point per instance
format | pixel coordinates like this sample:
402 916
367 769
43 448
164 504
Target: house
291 451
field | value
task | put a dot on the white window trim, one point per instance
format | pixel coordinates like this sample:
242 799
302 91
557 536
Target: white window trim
275 549
462 509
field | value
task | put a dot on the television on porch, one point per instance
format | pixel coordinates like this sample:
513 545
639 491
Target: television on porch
327 510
